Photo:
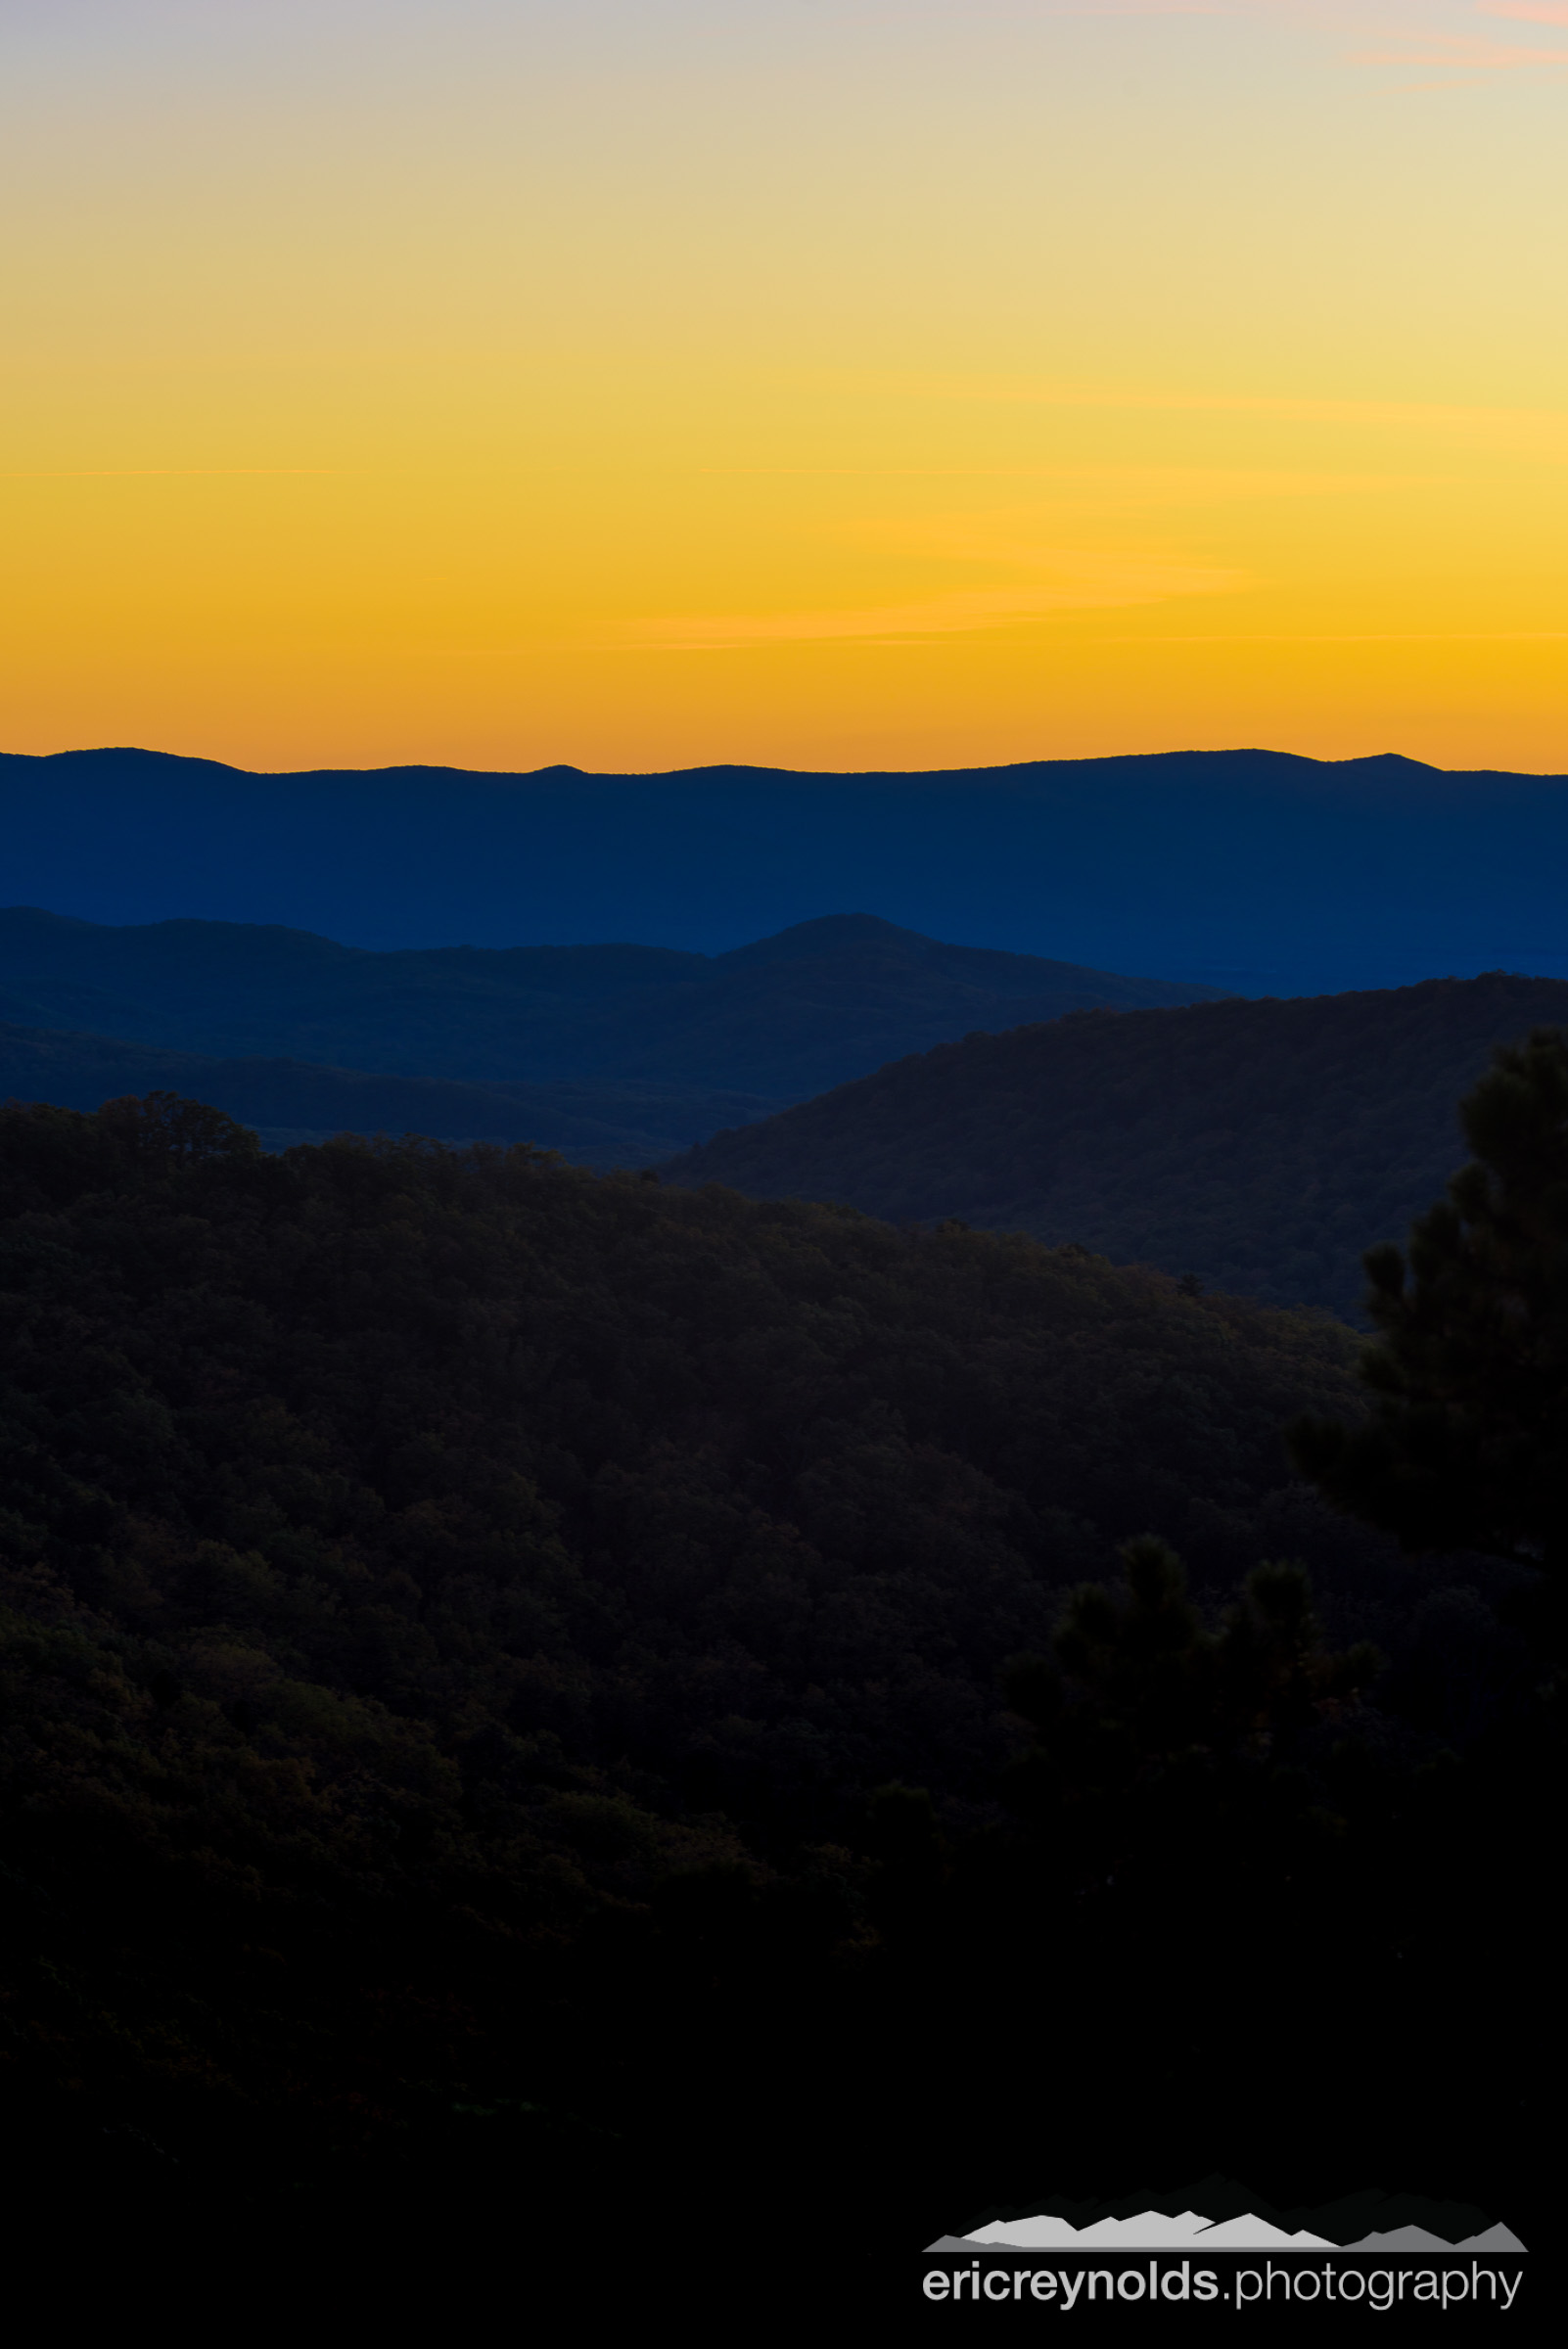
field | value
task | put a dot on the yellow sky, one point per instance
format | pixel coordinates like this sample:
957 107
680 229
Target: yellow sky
804 382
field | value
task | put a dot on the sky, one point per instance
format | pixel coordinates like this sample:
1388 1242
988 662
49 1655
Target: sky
828 384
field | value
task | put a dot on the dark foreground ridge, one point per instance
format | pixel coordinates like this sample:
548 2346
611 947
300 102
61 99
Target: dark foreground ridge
528 1692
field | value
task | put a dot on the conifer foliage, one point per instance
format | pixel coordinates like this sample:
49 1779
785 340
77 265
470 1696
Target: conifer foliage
1468 1445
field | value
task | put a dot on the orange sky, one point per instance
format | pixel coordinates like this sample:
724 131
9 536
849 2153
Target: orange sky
811 382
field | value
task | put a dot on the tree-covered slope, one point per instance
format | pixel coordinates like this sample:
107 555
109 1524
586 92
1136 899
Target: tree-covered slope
781 1018
749 1497
457 1614
1260 1145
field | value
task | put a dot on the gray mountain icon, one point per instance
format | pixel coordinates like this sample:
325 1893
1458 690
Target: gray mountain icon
1191 2230
1417 2238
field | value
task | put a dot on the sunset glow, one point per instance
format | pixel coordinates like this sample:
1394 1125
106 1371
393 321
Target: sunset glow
819 382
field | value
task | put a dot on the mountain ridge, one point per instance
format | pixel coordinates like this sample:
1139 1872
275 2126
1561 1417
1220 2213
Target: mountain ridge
293 1100
1261 871
1389 761
781 1017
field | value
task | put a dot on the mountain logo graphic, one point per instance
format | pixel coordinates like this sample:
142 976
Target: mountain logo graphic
1217 2215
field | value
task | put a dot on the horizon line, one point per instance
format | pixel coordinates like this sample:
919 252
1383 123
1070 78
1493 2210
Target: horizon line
563 767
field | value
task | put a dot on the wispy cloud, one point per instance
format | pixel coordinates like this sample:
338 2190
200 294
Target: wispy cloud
1540 435
1438 33
1397 32
181 473
1464 53
1122 486
1075 582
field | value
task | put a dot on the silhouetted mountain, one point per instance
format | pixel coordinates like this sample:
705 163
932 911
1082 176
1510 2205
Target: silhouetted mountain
782 1018
1262 1146
1249 869
297 1101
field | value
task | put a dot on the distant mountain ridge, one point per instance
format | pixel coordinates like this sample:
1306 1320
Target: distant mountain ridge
298 1101
1249 869
779 1019
1260 1146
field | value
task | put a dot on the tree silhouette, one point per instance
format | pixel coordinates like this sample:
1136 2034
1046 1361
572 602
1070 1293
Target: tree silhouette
1467 1446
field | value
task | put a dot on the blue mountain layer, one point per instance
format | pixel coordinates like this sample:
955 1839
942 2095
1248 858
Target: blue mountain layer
1255 871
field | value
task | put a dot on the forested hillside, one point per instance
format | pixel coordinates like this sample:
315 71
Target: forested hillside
1260 1146
782 1452
499 1662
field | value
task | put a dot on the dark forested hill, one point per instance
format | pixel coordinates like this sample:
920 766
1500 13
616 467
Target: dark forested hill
476 1639
479 1430
1260 1145
782 1018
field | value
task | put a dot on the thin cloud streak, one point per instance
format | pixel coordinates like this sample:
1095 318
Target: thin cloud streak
1541 434
183 473
1410 35
1101 583
1466 53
